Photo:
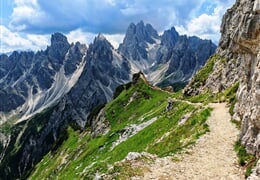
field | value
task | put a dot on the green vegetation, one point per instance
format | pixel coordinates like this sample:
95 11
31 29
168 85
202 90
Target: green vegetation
31 127
78 155
246 160
230 94
6 127
237 123
175 86
125 171
202 75
194 127
200 98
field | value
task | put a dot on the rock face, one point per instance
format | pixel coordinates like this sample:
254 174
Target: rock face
105 69
30 82
136 41
164 59
187 56
239 48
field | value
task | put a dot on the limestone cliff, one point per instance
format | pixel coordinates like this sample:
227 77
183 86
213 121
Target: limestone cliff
238 60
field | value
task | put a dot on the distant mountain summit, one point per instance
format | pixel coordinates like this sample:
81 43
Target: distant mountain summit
167 59
137 39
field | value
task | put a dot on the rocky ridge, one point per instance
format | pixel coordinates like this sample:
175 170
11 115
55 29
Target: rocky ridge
166 59
31 82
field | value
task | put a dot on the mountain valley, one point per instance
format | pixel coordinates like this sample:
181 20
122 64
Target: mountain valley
155 108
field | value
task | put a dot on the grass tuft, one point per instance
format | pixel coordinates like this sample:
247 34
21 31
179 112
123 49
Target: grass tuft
245 159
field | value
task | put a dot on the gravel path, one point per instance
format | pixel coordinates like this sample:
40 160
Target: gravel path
212 157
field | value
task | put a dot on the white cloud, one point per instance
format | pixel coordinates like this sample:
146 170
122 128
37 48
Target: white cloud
26 13
38 41
81 20
11 41
80 36
87 38
115 39
206 26
25 2
106 16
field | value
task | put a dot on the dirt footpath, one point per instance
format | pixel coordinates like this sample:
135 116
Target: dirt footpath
213 156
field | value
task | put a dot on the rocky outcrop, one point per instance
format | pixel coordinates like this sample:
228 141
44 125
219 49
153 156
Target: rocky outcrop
99 124
187 56
239 61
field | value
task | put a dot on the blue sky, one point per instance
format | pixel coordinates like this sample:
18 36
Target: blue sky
28 24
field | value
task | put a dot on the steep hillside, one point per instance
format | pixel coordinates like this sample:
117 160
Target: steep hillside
237 61
139 119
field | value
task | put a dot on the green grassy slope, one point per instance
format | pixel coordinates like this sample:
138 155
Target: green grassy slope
81 156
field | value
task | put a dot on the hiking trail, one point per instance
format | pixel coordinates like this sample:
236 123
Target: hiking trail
212 157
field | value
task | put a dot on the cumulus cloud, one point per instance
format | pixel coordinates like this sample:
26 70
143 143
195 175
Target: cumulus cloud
110 16
11 41
207 25
27 13
115 39
79 35
81 20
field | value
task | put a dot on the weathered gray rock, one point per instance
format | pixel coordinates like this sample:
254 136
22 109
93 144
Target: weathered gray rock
99 124
240 47
30 81
241 41
170 105
135 42
105 69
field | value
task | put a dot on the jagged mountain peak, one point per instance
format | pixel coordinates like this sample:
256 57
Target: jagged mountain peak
170 37
137 39
141 32
101 37
59 47
71 80
58 38
100 40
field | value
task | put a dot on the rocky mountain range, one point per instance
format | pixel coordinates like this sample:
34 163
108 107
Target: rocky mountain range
56 121
166 59
32 81
43 93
